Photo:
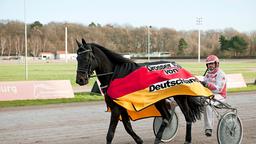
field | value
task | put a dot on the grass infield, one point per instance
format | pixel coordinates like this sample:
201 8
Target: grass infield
15 71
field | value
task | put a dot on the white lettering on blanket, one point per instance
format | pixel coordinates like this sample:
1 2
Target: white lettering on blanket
171 71
160 66
170 83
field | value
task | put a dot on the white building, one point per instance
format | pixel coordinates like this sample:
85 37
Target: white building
46 56
61 55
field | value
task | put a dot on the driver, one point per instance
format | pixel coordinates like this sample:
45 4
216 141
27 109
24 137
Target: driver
214 80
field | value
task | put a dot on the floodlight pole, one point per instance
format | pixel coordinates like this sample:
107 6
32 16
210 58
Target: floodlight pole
66 43
199 44
199 22
26 43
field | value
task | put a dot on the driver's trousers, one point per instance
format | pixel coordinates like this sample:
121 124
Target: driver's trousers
209 113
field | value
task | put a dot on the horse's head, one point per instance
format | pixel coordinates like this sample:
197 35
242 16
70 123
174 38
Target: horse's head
86 62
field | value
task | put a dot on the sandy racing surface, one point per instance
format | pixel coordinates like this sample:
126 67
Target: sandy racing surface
87 123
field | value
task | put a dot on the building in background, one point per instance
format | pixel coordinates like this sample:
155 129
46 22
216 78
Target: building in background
46 56
58 55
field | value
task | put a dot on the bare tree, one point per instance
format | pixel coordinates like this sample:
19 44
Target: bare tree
123 39
2 45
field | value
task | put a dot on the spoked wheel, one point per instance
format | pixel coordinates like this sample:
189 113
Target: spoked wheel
230 129
170 131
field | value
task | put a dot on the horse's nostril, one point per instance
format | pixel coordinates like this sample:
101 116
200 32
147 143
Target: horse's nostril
81 81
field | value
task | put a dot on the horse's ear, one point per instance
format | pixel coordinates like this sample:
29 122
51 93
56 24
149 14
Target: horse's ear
78 43
83 41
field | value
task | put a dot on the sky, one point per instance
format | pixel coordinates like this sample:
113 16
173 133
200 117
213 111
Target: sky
177 14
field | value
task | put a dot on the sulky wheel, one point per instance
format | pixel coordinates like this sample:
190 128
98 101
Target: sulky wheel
230 129
170 130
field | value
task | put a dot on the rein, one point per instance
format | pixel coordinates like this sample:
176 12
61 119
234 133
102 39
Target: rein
96 75
103 74
103 87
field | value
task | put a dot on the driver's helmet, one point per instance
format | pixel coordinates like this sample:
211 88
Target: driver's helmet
212 59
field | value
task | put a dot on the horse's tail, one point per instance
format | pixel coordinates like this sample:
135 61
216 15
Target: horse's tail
192 107
196 107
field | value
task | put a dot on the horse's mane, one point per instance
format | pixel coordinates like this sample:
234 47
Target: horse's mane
123 66
113 56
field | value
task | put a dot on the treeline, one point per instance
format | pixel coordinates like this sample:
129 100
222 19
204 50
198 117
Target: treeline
123 39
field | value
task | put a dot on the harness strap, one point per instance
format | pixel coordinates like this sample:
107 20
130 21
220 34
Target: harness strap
103 87
85 51
103 74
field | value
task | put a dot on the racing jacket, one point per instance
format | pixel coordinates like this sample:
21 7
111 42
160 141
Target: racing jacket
216 81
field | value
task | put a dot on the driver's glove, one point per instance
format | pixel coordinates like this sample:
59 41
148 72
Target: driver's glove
203 83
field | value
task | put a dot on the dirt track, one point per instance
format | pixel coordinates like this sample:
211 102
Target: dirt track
87 123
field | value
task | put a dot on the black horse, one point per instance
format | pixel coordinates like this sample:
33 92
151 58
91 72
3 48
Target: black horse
109 65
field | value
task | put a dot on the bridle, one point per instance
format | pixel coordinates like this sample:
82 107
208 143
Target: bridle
89 71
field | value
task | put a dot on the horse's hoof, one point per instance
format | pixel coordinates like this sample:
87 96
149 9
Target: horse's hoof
187 142
139 141
157 141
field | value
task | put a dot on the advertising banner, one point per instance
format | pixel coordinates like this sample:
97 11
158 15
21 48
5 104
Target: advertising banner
24 90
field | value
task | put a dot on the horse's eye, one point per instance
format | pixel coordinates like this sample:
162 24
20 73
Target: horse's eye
78 58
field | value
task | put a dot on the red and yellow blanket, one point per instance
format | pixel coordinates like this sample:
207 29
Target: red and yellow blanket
138 91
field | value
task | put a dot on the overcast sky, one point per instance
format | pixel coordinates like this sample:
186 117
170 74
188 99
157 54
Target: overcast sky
176 14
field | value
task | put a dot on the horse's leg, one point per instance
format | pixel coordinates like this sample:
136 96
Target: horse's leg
188 133
162 108
115 113
128 127
181 101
